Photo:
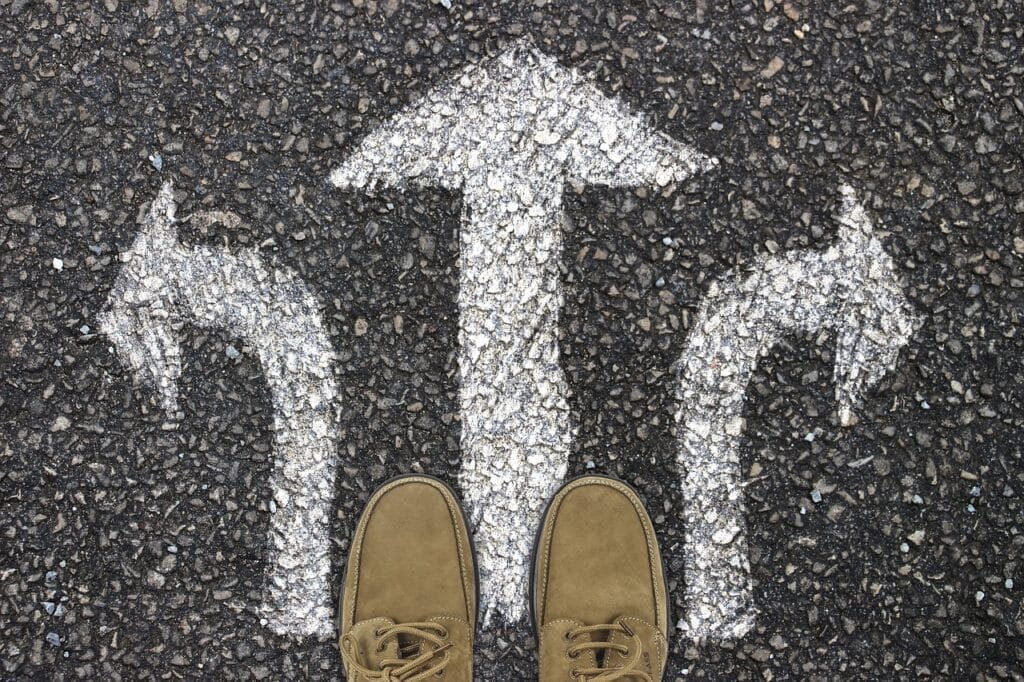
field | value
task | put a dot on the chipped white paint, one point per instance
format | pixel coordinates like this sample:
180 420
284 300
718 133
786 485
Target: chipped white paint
508 133
851 290
163 284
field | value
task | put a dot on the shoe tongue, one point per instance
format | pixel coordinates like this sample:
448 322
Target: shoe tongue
409 646
413 646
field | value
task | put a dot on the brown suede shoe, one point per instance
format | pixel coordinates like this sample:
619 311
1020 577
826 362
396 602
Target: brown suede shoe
599 599
408 612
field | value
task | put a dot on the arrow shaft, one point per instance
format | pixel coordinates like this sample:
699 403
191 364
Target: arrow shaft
516 428
508 132
276 315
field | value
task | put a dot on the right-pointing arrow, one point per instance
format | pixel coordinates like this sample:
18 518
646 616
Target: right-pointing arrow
851 288
508 133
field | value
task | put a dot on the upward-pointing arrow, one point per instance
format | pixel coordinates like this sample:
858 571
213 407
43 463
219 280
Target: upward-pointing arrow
508 132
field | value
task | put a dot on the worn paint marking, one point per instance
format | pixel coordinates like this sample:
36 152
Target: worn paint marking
850 289
162 284
508 133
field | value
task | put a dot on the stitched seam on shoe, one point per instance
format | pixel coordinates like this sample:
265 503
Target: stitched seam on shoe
549 533
545 555
357 542
356 552
556 505
455 514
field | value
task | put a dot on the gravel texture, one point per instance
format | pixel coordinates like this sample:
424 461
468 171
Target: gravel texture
889 549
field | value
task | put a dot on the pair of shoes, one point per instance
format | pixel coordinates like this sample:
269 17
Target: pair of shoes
598 593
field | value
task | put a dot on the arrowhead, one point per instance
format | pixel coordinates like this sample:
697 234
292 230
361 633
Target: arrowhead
142 301
523 114
853 219
875 320
163 207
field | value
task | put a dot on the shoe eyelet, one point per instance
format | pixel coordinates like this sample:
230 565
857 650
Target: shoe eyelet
445 634
380 647
574 654
574 673
567 636
379 632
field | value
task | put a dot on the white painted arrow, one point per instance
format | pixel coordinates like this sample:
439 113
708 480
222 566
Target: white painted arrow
508 132
163 284
850 289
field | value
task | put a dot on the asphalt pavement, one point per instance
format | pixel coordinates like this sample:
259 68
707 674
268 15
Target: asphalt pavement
134 543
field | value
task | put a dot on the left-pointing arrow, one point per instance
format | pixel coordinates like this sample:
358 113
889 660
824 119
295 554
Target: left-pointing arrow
162 284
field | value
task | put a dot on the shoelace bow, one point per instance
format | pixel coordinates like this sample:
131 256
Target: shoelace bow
624 672
429 662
